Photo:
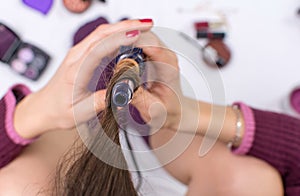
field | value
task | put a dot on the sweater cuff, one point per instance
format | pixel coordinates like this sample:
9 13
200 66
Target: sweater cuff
13 96
249 133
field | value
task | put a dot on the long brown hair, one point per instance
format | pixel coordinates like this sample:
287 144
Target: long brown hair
89 175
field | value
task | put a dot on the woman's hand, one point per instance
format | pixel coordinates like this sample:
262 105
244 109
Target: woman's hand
53 107
162 105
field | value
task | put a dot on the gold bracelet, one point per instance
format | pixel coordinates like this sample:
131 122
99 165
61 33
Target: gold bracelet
237 137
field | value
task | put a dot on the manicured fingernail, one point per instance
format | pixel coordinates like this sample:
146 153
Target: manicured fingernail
146 20
132 33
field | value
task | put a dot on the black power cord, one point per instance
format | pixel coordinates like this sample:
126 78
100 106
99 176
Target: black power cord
139 174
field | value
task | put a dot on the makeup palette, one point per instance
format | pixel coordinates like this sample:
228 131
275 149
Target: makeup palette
24 58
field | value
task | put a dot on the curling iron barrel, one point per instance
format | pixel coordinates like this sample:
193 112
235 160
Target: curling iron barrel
123 90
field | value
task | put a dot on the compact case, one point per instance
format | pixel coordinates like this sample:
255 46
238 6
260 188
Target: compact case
24 58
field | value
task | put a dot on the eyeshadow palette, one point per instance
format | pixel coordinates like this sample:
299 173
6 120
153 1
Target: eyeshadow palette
24 58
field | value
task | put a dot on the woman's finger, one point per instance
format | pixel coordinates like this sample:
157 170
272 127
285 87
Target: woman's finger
106 29
162 63
156 50
123 33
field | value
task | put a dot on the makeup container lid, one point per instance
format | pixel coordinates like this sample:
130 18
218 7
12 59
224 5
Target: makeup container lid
291 103
9 42
295 99
77 6
87 28
42 6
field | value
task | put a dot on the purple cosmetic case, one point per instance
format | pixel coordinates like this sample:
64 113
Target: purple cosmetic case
24 58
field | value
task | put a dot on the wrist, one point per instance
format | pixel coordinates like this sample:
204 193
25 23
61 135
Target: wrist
193 117
239 128
220 121
248 129
30 117
234 126
205 113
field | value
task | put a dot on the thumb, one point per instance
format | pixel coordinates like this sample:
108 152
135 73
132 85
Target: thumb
99 100
143 100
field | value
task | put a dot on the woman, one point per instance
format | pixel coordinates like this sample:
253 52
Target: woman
236 175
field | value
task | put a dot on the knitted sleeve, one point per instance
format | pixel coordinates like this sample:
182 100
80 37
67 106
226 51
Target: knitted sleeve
11 144
276 139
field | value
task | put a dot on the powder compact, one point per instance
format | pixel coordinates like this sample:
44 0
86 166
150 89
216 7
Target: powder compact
24 58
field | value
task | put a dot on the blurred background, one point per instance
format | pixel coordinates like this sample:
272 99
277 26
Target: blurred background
263 37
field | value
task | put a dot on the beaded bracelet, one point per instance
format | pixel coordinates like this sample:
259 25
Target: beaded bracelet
237 137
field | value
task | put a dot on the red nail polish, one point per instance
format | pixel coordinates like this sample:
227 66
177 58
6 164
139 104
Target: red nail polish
146 20
132 33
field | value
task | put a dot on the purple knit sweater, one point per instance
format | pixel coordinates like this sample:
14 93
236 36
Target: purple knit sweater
277 141
275 138
11 144
269 136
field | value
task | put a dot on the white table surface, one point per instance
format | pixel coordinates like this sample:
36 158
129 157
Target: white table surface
264 37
